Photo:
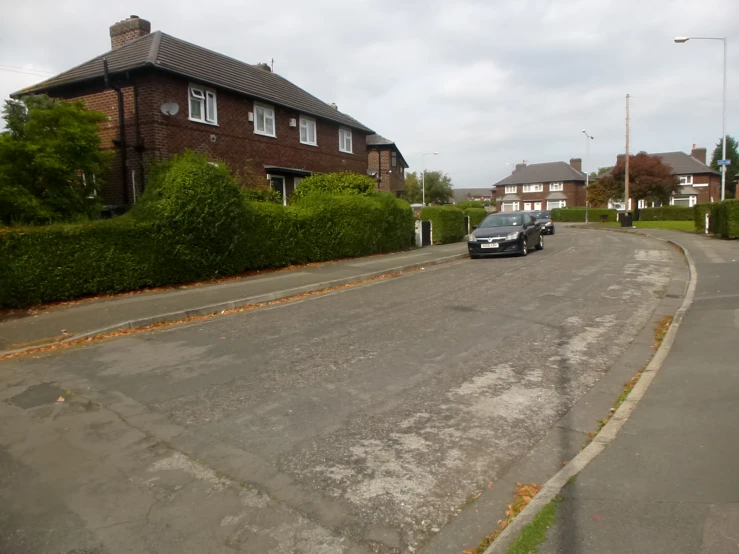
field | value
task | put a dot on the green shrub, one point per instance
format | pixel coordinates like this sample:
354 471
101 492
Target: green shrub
578 214
476 215
335 184
263 194
447 223
466 204
725 218
18 205
667 213
699 216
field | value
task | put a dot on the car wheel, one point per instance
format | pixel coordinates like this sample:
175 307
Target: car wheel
540 244
551 231
524 247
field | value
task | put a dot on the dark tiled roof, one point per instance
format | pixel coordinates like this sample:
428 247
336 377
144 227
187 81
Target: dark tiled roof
460 195
542 173
684 164
379 140
168 53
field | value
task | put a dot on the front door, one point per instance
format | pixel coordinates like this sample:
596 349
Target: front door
527 206
537 206
277 182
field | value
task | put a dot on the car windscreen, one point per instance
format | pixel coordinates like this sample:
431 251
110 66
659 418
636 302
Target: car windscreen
501 220
541 215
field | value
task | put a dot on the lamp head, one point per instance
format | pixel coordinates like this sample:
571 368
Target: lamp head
681 40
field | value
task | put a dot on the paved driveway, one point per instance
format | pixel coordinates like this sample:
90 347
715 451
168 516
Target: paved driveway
351 422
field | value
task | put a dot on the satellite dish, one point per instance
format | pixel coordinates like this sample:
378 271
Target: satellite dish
170 108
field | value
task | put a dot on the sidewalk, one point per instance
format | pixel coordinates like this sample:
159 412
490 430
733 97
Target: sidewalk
35 328
669 483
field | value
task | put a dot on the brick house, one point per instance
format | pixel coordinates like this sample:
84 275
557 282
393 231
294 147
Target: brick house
163 95
543 186
481 195
387 164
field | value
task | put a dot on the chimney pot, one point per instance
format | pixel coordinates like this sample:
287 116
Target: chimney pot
127 30
334 106
576 164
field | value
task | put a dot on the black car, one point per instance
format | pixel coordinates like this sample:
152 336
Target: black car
545 220
505 233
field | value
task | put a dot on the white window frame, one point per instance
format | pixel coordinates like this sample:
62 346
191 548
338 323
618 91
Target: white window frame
202 95
536 187
345 133
306 123
527 206
514 206
692 201
269 113
537 206
510 189
559 204
556 187
685 179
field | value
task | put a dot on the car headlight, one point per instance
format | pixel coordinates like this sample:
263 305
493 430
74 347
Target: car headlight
471 238
512 236
548 224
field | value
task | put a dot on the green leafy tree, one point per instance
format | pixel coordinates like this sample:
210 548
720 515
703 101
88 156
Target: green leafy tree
649 179
50 160
601 171
439 188
732 171
412 188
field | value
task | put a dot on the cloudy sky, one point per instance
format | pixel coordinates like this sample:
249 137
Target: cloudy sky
483 82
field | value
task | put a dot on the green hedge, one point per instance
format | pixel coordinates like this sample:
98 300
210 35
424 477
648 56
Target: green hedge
447 223
476 215
578 214
344 183
699 216
725 218
667 213
466 204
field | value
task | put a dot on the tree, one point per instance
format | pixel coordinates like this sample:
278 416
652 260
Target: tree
649 179
438 187
412 188
50 161
732 171
601 170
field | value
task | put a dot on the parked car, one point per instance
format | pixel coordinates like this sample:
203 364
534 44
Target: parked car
544 219
505 233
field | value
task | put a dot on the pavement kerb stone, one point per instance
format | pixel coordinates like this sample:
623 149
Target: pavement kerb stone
606 435
214 309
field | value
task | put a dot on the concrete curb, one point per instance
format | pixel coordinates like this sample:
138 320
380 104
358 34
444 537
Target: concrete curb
606 436
214 309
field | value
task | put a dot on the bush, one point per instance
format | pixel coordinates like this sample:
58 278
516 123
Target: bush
262 194
335 184
699 216
578 214
476 215
466 204
725 218
447 223
667 213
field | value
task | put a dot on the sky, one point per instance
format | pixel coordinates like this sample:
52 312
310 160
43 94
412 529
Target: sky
485 83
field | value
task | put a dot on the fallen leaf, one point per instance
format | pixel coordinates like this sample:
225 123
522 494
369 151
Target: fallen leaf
60 399
490 485
596 518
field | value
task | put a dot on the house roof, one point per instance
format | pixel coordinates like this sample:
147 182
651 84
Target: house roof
379 140
460 195
511 198
164 52
542 173
557 196
687 190
684 164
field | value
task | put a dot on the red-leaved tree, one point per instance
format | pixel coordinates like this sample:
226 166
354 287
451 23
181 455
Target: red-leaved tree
650 179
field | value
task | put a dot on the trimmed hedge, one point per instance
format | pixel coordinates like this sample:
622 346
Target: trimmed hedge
725 218
342 183
476 215
466 204
578 214
447 223
667 213
699 216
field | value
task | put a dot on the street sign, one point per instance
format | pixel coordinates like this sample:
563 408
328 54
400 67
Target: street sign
724 162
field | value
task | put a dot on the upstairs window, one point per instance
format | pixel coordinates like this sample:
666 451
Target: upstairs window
510 189
533 188
308 131
686 179
203 106
554 187
345 141
264 120
393 159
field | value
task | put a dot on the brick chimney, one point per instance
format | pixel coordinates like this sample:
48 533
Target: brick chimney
519 166
264 67
127 30
699 154
576 164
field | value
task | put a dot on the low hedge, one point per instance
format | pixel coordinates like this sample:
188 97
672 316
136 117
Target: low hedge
466 204
447 223
578 214
476 215
699 216
725 218
667 213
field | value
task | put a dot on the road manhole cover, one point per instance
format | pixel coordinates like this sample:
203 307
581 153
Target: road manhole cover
37 395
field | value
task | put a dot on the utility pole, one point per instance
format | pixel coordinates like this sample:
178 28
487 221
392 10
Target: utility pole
626 177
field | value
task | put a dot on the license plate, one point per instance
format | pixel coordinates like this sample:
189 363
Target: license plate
489 245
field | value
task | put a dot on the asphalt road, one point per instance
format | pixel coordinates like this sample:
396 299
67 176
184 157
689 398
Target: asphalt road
351 422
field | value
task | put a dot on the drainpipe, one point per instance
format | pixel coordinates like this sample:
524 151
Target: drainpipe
121 141
139 146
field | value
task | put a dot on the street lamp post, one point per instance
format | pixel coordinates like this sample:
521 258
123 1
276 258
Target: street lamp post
682 40
588 138
423 180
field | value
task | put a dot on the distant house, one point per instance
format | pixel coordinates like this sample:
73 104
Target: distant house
481 195
698 182
542 186
162 95
386 163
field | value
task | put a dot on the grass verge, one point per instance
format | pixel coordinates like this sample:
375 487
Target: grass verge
687 226
535 532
